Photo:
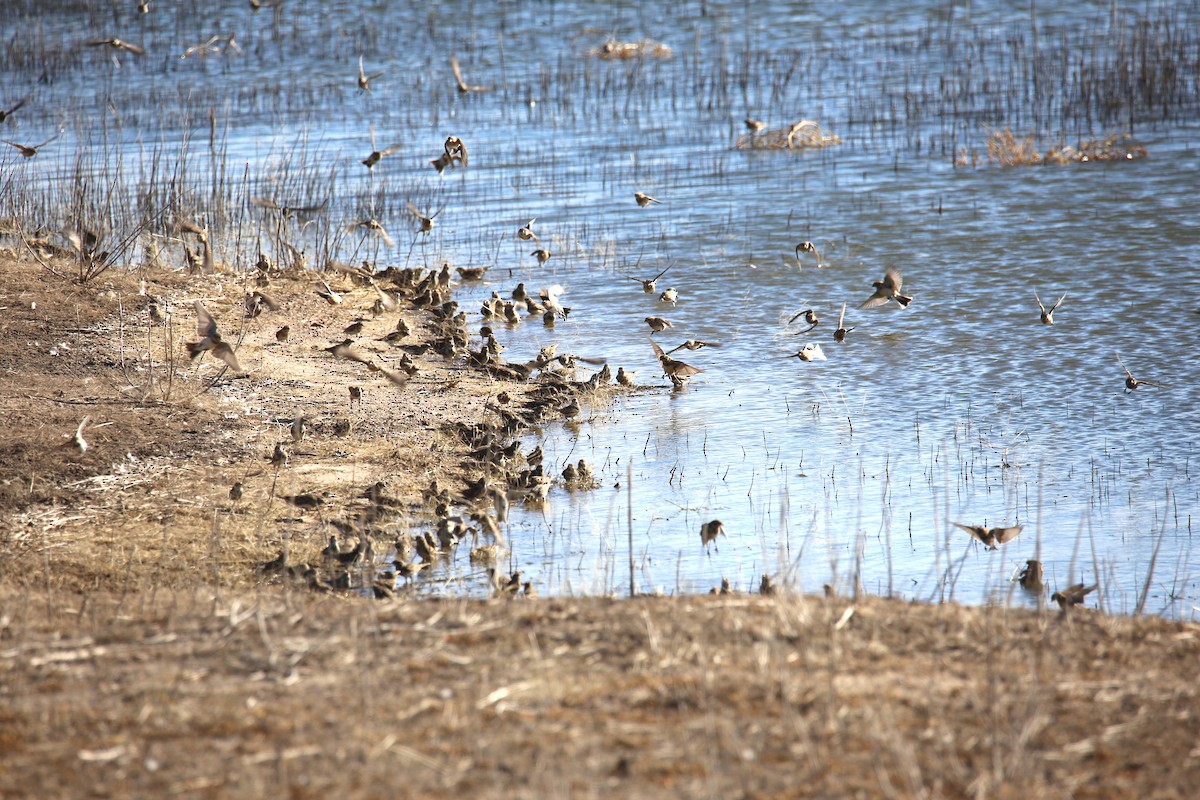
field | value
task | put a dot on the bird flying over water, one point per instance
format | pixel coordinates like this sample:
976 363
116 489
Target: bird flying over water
29 151
887 290
991 536
807 247
644 200
840 334
463 86
364 80
1132 383
649 286
1048 316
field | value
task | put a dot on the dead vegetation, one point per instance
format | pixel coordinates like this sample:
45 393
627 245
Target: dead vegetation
1006 149
801 135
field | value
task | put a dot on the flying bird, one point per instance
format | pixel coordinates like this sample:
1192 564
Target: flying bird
991 536
425 220
210 339
644 200
810 317
658 324
463 86
117 44
679 372
886 290
1072 595
710 530
694 344
1031 576
6 113
372 226
807 247
1048 316
364 80
669 296
811 352
754 125
649 286
1132 383
29 151
840 334
525 232
376 155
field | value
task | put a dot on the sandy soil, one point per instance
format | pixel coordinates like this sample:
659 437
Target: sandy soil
144 650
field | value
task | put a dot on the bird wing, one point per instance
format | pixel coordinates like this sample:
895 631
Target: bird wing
206 326
1003 535
267 301
223 351
975 530
658 351
458 78
893 280
876 300
842 317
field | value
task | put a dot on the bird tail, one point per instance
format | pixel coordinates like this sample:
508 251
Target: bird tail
903 300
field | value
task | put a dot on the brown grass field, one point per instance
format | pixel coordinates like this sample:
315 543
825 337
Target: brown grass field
143 653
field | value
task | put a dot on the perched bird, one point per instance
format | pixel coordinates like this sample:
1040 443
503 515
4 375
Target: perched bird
1072 595
297 429
463 86
1048 316
278 456
840 334
210 339
754 125
709 532
525 232
364 80
1031 576
118 45
625 377
6 113
991 536
1132 383
810 317
29 151
644 200
571 410
648 286
808 247
765 587
811 352
694 344
886 290
236 491
669 296
679 372
658 324
542 255
354 328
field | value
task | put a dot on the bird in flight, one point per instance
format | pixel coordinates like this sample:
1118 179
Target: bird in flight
364 80
992 536
807 247
210 339
840 334
649 286
118 44
1048 315
376 155
1132 383
29 151
644 200
458 79
6 113
887 290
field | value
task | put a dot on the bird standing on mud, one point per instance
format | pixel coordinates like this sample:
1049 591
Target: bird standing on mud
887 290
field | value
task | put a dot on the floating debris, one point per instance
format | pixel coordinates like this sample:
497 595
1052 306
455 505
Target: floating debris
647 48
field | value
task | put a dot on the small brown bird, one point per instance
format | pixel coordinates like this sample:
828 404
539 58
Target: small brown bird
454 149
542 255
811 352
6 113
471 273
1048 316
694 344
807 247
354 328
765 587
463 86
278 457
118 45
810 317
648 286
887 290
709 532
840 334
376 155
754 125
255 302
525 232
281 335
297 429
644 200
1132 383
658 324
236 491
364 80
346 351
355 395
210 339
625 377
424 221
29 151
669 296
571 410
991 536
1031 576
1072 595
372 226
679 372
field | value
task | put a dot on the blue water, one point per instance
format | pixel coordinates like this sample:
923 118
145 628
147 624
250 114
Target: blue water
962 407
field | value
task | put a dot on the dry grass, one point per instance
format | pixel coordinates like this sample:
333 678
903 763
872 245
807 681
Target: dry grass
1006 149
142 654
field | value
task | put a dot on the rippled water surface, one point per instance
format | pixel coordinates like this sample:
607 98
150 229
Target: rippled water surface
962 407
